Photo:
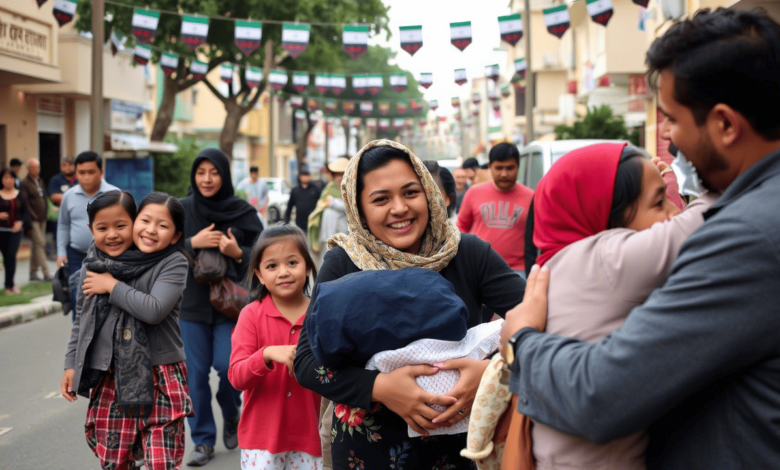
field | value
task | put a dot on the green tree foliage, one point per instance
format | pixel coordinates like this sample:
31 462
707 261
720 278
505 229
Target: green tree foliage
598 123
172 170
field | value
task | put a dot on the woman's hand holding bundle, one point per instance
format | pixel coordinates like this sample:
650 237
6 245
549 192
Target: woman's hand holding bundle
207 238
471 371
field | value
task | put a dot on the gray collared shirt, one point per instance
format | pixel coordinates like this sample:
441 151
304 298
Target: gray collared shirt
73 223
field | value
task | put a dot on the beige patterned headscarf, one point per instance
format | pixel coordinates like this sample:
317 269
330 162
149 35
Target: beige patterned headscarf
440 240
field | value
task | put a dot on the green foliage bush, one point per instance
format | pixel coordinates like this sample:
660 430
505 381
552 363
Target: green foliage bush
598 123
172 170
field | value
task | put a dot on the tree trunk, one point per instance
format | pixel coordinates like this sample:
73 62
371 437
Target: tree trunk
230 130
303 144
166 110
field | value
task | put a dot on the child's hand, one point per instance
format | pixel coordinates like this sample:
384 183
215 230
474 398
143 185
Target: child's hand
96 284
66 386
280 354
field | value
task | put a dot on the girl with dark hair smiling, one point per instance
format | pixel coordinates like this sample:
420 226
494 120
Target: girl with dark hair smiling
14 218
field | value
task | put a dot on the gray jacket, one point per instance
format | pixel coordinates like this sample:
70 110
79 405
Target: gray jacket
699 361
159 309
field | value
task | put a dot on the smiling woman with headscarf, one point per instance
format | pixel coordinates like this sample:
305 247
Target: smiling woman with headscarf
216 219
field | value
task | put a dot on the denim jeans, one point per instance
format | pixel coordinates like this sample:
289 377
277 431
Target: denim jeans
75 260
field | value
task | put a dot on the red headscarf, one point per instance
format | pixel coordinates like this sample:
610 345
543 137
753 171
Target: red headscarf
574 199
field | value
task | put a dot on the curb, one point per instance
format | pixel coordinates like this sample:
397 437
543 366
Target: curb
29 312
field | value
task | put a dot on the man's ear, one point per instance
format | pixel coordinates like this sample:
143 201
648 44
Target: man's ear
725 125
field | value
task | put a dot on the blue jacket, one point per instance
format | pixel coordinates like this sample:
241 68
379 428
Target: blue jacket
698 363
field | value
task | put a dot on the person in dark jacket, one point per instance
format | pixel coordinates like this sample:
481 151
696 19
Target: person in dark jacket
303 198
216 220
697 363
14 217
35 194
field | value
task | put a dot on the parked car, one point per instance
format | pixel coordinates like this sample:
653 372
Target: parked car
537 157
278 197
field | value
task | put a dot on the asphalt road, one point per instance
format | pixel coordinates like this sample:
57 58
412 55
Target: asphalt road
38 428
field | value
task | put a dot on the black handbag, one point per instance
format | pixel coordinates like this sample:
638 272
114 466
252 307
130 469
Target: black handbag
210 266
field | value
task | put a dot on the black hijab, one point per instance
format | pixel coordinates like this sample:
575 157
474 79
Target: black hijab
224 209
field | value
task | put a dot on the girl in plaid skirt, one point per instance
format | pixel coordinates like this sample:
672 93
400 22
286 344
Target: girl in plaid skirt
125 353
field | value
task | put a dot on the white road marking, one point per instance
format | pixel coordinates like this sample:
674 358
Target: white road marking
4 430
52 395
2 417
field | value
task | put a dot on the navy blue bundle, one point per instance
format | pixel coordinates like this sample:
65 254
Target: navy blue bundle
356 316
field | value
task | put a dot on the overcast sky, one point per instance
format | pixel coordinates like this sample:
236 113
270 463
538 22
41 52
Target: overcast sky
438 55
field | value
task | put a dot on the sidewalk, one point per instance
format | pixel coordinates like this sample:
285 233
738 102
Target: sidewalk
40 307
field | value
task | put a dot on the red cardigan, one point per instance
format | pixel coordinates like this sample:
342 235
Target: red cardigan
279 415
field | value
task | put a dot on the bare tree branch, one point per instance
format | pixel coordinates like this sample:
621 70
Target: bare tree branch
216 92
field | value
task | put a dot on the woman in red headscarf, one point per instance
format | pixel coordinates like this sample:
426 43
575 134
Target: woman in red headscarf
609 233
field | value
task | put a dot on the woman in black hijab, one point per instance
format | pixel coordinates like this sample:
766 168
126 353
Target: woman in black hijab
216 219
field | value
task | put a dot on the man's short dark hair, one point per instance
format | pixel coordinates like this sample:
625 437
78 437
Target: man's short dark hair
69 159
254 169
304 170
470 163
89 156
15 162
503 152
723 56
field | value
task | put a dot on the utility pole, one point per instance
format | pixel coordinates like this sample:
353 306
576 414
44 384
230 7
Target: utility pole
529 75
96 101
269 60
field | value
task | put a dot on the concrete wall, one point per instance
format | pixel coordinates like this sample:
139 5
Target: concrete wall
20 120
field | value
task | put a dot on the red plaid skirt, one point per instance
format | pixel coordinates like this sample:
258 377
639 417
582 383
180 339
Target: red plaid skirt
117 439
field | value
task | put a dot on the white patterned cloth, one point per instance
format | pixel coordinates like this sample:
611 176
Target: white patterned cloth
479 343
259 459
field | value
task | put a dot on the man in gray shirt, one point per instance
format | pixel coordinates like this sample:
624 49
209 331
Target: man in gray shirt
73 234
697 365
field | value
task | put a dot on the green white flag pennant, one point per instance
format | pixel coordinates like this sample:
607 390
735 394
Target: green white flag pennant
493 95
384 124
460 76
314 118
398 82
330 106
505 91
360 83
296 101
142 54
401 107
423 122
384 108
366 108
557 20
348 107
520 67
64 10
226 73
169 62
426 80
194 30
248 35
475 111
253 76
338 83
355 40
433 104
144 25
399 123
491 72
375 83
458 116
198 69
277 79
370 123
356 122
476 98
455 102
600 11
300 115
511 27
117 42
460 34
411 38
300 80
313 105
295 38
322 82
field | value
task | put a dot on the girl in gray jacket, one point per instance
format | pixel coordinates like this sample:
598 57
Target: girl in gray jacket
125 353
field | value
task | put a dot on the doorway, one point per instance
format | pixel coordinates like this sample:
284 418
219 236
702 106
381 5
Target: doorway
49 153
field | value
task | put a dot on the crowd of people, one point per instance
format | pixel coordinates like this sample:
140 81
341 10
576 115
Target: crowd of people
380 326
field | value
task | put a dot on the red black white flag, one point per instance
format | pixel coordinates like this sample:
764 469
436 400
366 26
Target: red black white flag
411 38
557 20
338 83
360 83
426 80
600 11
198 69
355 40
460 76
491 72
322 82
144 26
520 67
295 38
64 10
399 123
398 82
314 118
384 108
505 91
641 3
169 62
312 105
348 107
330 106
194 30
366 108
455 102
117 42
226 73
300 80
415 105
300 115
248 35
511 27
296 102
400 107
476 98
375 83
384 124
433 104
370 123
142 54
253 76
460 34
277 79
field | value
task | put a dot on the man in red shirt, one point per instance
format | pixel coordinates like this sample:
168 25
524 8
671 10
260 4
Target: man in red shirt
496 211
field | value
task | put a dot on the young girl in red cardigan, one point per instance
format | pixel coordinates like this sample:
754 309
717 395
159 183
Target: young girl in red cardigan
278 427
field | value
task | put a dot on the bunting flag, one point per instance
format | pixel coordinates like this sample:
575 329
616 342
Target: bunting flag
338 83
384 124
355 40
64 11
248 35
426 80
370 123
330 106
144 26
40 2
600 11
458 116
520 67
384 108
399 123
475 111
415 105
460 34
321 82
511 27
460 76
366 108
295 38
455 102
253 76
194 30
411 38
169 62
142 54
117 42
277 79
423 122
312 105
296 102
476 98
641 3
360 83
505 91
314 118
400 107
491 72
300 80
375 83
226 73
497 107
493 96
398 82
300 115
557 20
433 104
356 122
348 107
198 69
345 122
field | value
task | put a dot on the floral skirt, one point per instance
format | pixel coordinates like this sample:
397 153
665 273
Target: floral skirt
379 440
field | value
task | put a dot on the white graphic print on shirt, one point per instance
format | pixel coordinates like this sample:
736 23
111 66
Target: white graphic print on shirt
500 218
